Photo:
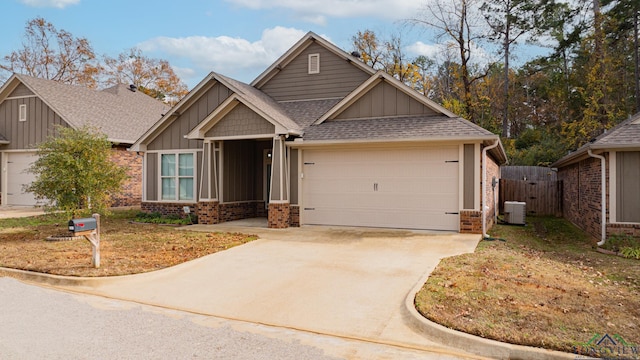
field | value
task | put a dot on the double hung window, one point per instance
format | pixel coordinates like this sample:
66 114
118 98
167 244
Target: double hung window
177 176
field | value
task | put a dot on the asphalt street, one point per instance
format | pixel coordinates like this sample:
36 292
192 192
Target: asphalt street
42 323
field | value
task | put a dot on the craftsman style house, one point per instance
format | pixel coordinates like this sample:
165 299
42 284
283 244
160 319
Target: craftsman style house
320 138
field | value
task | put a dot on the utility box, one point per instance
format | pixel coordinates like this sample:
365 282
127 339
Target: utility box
82 225
515 212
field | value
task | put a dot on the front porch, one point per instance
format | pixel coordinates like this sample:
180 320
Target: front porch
245 179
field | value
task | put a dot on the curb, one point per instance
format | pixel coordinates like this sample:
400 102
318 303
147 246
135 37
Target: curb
472 343
50 279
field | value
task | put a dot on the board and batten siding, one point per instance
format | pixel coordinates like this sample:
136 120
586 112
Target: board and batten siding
385 100
151 188
40 123
239 171
336 79
173 136
241 121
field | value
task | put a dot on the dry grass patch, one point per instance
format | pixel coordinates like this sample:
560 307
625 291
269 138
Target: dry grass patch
125 248
545 286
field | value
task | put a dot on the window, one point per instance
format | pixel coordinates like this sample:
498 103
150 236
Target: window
628 186
177 176
22 112
314 63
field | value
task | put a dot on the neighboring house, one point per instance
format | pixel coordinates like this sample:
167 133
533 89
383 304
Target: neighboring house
318 138
31 107
610 162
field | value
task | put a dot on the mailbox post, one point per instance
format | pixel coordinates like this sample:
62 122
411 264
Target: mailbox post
90 229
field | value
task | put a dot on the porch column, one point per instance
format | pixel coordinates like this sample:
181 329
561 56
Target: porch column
279 192
208 203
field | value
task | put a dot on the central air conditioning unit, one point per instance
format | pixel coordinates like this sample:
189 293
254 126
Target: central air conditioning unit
515 212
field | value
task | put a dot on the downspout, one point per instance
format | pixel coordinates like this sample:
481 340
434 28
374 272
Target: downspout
484 187
603 191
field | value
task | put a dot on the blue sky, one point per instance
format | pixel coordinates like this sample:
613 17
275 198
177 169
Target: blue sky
238 38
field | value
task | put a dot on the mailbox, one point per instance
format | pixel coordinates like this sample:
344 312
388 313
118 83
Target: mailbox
80 225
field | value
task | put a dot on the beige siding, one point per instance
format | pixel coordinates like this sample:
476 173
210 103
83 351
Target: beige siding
41 121
293 155
385 100
173 136
239 171
469 180
241 121
152 177
261 146
628 186
336 78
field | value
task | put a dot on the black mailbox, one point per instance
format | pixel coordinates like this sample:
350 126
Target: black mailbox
79 225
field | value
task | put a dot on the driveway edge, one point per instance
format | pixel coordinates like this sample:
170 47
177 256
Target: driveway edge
50 279
471 343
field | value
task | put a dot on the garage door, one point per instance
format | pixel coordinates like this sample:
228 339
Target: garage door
17 176
415 188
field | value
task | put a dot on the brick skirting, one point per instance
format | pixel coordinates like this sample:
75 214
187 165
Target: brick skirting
279 215
208 212
167 208
624 229
470 222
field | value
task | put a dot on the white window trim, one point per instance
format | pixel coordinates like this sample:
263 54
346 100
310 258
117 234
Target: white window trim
22 112
177 177
314 59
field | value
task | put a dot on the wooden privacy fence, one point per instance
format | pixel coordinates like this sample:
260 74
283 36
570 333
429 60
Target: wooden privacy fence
542 197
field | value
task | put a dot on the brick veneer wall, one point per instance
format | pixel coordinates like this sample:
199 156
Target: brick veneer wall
279 215
131 193
493 169
624 229
237 211
208 212
581 196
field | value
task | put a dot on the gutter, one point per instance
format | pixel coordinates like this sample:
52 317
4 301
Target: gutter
603 231
484 187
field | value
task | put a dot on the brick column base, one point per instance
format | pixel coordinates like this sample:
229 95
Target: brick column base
278 215
208 212
470 222
294 216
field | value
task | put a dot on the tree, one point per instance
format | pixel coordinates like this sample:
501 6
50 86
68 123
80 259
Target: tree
154 77
509 20
53 54
456 21
74 173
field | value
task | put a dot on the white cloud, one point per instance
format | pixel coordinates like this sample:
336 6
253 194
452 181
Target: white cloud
235 57
314 9
429 50
60 4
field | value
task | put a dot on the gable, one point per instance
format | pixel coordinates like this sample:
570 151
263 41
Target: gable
241 121
39 124
172 137
335 78
21 90
385 100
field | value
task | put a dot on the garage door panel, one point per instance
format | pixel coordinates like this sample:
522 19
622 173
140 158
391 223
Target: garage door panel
393 187
17 177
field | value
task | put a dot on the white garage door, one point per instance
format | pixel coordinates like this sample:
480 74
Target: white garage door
17 176
415 188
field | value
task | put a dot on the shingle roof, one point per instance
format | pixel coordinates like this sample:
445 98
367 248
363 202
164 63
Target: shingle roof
405 128
624 135
123 115
307 112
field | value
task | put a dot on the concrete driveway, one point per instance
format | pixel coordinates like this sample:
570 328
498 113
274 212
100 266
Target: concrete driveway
347 282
